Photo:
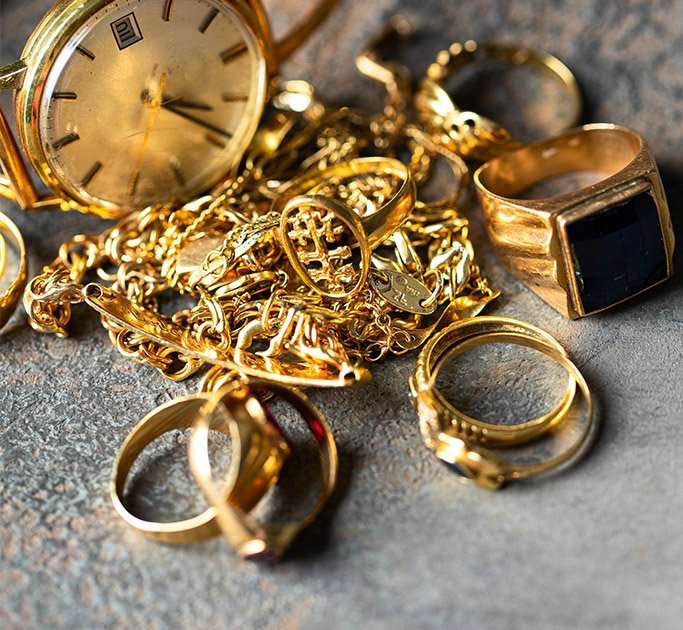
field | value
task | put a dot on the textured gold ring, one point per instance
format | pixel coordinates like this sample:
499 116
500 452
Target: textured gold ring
379 224
314 232
10 298
481 465
456 339
466 132
583 250
251 539
257 456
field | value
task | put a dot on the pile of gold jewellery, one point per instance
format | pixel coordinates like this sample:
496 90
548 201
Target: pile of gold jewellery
318 253
311 260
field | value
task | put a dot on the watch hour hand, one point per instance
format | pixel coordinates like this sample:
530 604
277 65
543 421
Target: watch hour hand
186 103
167 99
173 107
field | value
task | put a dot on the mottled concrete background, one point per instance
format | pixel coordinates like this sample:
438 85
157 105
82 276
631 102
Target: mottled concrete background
404 545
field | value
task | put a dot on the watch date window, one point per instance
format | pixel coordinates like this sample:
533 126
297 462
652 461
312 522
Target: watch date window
126 31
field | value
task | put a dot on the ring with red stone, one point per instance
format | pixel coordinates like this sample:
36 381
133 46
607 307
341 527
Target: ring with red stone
250 538
258 453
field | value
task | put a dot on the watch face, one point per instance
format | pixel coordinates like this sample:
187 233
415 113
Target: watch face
150 100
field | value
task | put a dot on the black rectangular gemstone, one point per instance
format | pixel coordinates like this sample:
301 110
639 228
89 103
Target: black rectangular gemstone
617 252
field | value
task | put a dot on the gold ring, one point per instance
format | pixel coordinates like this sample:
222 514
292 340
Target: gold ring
458 338
3 254
480 465
314 233
10 298
251 539
585 250
468 133
258 453
379 224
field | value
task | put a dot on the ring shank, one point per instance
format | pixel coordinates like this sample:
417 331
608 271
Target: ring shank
600 147
453 345
545 62
470 134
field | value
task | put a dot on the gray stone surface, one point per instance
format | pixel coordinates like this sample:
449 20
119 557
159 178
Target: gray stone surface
403 545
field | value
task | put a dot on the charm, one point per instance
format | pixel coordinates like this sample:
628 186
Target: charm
402 291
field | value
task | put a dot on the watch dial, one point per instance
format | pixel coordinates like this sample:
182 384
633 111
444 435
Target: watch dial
151 100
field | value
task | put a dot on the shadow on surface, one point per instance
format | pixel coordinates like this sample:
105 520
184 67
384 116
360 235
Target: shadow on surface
313 540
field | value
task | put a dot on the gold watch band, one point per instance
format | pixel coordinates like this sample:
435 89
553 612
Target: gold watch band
303 30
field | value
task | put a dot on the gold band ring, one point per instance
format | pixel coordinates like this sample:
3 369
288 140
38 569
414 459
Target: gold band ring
257 456
377 225
468 133
10 298
456 449
585 250
458 338
251 539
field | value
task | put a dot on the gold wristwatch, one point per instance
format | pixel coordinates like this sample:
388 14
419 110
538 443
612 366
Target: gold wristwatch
122 104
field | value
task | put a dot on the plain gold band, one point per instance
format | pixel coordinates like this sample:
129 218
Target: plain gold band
178 414
456 339
487 433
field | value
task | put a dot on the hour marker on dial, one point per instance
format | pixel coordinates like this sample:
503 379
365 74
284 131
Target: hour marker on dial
85 52
64 96
232 53
234 98
63 141
215 141
168 7
90 175
208 20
